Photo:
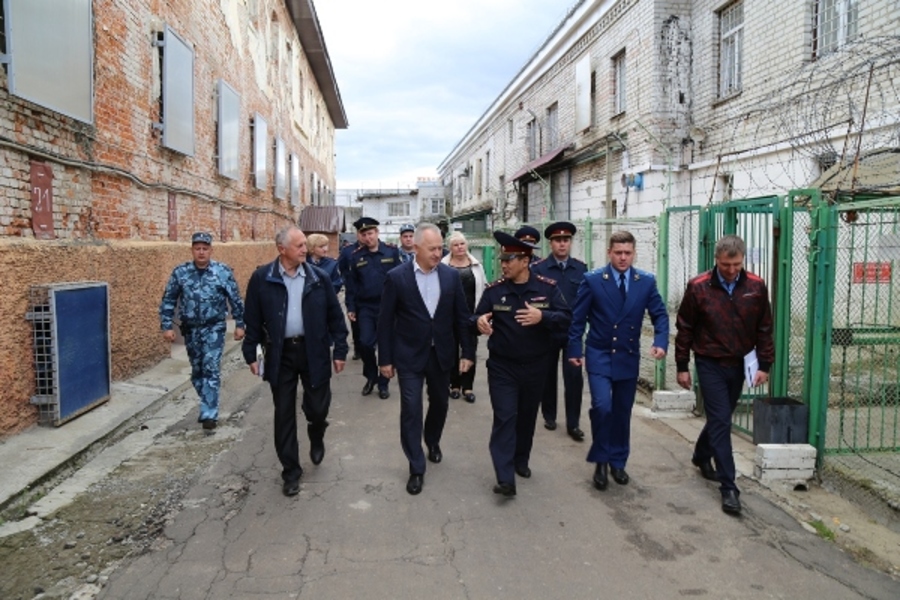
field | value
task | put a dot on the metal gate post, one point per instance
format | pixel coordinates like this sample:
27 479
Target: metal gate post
783 283
820 313
662 284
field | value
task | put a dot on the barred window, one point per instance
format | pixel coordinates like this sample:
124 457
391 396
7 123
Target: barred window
731 49
836 23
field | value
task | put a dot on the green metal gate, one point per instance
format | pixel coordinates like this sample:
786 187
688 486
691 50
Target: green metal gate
756 221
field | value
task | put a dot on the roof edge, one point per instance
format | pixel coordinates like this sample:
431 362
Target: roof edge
306 22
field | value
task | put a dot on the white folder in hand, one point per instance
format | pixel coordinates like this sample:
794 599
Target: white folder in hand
751 366
260 360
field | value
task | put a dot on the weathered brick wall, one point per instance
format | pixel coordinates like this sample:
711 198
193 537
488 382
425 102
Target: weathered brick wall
136 273
112 179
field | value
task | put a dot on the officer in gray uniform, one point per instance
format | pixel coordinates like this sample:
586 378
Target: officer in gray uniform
406 248
201 289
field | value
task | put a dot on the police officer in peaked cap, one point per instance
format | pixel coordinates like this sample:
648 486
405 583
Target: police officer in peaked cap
568 272
521 314
368 265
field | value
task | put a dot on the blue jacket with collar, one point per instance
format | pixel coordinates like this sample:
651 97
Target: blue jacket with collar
613 340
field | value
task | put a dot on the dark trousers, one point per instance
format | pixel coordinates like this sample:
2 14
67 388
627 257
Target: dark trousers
367 317
515 390
721 387
573 383
611 404
463 381
316 402
411 429
354 332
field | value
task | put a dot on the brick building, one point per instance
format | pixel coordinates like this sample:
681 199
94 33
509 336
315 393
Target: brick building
125 125
633 105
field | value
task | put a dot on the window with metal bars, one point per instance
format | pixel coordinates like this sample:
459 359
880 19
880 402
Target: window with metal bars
835 22
731 49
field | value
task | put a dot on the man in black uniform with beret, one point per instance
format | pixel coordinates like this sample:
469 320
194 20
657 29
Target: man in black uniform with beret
369 264
568 273
522 313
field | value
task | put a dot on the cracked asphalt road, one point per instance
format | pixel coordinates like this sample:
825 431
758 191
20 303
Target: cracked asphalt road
199 516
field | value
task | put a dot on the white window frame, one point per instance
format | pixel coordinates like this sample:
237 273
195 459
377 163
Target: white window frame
731 49
836 23
398 209
620 84
553 126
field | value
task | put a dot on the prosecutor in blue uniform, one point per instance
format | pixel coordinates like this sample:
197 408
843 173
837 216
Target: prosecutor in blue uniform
368 268
613 300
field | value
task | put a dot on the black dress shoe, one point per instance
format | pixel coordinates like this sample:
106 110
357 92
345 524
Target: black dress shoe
706 469
550 424
601 480
523 471
414 485
505 489
730 502
291 488
576 434
384 394
469 397
454 394
367 389
619 475
316 452
434 454
209 424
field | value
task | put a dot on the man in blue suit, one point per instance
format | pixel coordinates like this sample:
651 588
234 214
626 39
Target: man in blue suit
613 299
423 311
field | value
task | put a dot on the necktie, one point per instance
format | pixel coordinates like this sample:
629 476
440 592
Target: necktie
622 285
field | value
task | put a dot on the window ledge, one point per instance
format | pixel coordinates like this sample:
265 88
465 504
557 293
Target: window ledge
723 99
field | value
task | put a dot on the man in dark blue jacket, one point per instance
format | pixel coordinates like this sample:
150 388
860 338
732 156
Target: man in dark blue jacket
568 273
369 265
293 313
423 312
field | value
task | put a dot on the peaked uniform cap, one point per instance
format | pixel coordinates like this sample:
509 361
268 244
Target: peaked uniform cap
364 223
529 233
559 229
511 247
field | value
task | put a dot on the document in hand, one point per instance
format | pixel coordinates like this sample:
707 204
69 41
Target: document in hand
260 360
751 366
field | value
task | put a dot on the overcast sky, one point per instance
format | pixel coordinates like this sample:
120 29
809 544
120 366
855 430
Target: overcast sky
415 75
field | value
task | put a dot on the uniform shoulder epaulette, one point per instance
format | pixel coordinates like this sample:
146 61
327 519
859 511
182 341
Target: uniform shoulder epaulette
357 249
389 245
577 260
498 282
545 279
539 261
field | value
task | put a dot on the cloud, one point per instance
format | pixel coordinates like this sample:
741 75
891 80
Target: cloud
415 75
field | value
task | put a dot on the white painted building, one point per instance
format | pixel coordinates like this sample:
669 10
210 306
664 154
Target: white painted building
393 208
633 105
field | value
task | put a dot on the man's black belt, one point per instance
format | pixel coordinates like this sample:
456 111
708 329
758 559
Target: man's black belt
297 339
